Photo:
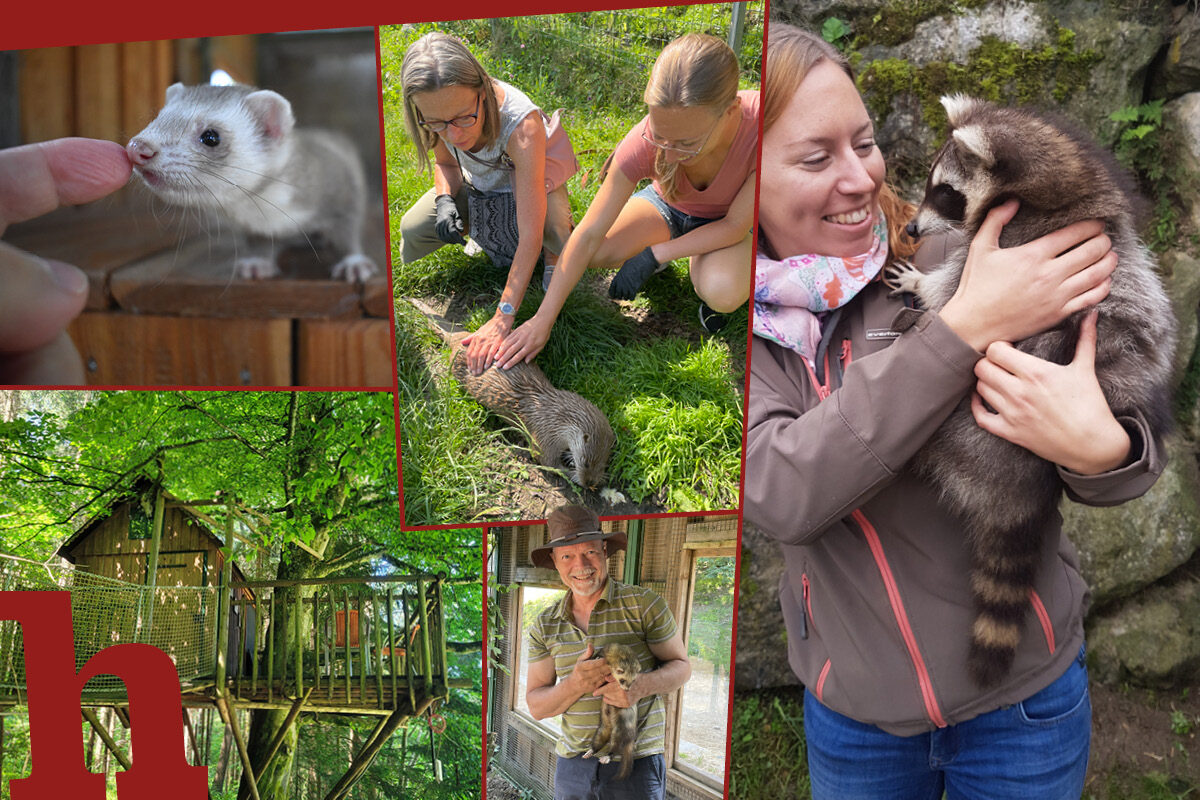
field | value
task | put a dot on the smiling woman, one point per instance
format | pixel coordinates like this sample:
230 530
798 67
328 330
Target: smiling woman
489 175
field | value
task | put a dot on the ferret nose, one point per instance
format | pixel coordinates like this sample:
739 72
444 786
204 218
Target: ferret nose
139 152
913 231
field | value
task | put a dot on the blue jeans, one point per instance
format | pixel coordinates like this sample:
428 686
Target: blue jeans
582 778
1037 748
678 222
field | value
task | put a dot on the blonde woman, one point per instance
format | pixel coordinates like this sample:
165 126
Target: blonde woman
489 153
699 143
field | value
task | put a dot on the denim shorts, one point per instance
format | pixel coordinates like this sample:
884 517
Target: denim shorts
582 778
1037 748
678 222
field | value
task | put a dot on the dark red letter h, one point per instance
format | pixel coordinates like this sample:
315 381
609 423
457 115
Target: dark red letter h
54 689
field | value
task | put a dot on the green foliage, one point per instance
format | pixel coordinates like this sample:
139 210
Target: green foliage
457 460
1142 147
710 637
768 755
835 31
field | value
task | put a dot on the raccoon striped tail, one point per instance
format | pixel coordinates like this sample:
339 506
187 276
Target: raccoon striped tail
1002 581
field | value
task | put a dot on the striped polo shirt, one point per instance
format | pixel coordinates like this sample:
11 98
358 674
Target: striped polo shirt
628 614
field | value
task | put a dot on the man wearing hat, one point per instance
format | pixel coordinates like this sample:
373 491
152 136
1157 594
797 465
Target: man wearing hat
564 678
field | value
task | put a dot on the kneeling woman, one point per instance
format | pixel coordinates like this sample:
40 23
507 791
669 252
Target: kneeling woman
699 144
489 145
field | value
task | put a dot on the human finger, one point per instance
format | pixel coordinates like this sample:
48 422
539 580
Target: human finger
55 364
40 298
38 178
1090 275
990 421
1085 254
1088 299
1085 348
1073 235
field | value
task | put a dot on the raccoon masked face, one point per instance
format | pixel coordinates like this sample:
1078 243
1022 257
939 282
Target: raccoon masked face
944 206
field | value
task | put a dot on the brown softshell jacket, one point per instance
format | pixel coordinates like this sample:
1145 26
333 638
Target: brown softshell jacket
876 590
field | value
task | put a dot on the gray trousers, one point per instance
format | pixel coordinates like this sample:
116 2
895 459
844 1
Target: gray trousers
419 236
582 778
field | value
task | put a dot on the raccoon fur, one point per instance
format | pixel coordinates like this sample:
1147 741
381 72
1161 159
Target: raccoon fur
1004 494
618 726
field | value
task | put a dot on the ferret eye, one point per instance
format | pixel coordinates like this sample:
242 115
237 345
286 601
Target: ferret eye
210 138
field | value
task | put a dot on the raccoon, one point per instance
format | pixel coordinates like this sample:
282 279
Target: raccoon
1004 494
618 726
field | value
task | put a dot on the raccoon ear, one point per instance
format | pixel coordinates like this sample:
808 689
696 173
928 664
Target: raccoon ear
973 140
957 106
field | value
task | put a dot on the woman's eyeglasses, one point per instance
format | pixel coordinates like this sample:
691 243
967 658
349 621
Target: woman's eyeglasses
686 152
465 121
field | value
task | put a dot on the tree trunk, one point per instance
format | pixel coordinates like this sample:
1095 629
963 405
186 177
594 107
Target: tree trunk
276 778
223 763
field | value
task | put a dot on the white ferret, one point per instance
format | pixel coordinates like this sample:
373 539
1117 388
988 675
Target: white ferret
235 150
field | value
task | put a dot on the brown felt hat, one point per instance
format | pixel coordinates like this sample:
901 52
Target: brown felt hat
572 525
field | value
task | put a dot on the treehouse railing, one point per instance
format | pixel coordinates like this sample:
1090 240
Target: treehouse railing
348 643
179 620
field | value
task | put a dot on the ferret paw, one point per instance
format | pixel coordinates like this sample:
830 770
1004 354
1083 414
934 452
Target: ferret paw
355 267
903 277
253 268
472 248
589 754
604 759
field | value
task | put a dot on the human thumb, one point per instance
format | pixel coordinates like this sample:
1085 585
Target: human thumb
40 298
587 654
1085 348
993 224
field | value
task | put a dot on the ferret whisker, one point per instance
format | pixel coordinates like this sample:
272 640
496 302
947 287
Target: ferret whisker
254 196
263 175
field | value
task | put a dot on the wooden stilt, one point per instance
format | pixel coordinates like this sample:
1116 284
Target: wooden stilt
230 713
187 724
363 760
108 740
277 742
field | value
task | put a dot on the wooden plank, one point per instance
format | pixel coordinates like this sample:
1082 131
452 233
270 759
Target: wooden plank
47 94
139 103
99 237
352 353
196 278
98 92
143 350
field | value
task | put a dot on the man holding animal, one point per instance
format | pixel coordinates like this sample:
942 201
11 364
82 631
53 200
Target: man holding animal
565 676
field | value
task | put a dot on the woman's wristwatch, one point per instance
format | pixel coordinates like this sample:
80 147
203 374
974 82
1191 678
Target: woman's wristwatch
507 308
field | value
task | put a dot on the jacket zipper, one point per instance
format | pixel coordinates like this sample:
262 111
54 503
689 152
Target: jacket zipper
1039 609
807 601
906 631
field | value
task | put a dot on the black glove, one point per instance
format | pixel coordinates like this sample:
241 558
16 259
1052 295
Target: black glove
449 225
632 274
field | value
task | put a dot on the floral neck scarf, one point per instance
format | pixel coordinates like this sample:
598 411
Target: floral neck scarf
792 294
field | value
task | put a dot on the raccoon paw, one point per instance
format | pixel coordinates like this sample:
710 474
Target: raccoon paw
903 278
355 267
253 268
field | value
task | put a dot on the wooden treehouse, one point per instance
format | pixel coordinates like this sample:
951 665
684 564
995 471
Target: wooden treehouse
150 569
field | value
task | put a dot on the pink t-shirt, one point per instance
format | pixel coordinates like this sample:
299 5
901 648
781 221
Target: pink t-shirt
635 157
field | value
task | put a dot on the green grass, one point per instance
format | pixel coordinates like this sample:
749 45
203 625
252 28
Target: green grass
768 757
672 395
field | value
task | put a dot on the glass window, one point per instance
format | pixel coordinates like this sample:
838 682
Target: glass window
704 710
534 600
